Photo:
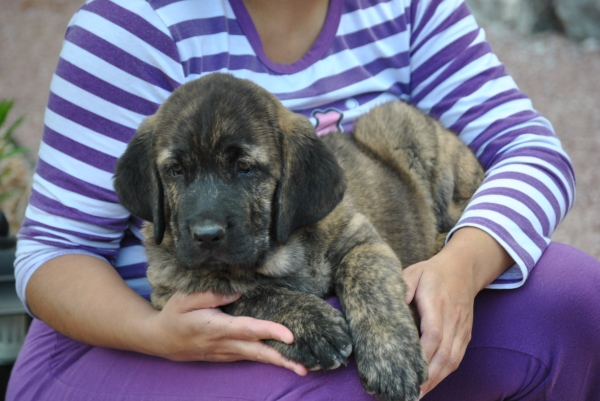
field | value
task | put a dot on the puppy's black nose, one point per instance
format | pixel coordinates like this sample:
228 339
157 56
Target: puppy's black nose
208 234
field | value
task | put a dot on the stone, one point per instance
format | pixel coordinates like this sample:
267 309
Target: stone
526 16
580 18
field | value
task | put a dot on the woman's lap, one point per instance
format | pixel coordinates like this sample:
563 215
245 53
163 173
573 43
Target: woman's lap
536 342
54 367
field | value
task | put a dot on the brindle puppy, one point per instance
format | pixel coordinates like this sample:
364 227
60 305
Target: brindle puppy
243 197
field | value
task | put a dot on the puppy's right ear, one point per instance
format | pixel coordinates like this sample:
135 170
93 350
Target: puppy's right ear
137 182
312 182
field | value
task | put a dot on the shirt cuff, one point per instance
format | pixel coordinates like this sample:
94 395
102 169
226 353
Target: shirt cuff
515 276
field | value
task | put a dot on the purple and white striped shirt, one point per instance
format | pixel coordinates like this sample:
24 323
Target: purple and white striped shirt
121 59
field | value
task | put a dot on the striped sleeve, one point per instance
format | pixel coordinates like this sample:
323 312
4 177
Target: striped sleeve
117 64
530 183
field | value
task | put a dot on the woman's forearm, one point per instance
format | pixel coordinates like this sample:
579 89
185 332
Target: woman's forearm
84 298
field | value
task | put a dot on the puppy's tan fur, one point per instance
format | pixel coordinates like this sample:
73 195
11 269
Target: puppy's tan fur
242 197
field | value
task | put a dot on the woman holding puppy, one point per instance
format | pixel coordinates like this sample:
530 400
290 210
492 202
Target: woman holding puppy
505 313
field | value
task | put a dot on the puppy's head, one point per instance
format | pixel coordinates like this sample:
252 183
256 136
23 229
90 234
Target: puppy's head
228 172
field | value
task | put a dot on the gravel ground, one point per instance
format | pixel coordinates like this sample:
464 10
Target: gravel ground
559 75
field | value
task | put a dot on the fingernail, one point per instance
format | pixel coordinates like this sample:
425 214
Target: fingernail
347 351
230 297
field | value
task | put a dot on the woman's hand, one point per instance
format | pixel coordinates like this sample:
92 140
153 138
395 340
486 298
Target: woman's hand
84 298
443 295
443 289
192 327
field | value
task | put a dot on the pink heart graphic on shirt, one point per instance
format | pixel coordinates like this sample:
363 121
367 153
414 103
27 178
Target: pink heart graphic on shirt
327 121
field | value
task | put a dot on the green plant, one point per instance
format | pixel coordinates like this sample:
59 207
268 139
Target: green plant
8 146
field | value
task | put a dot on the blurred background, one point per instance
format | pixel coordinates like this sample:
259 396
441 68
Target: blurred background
550 47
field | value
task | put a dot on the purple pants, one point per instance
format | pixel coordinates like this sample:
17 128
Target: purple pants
538 342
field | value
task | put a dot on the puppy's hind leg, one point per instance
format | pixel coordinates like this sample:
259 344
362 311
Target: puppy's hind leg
417 147
403 138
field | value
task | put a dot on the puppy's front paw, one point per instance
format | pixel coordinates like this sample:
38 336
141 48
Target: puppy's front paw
321 338
392 368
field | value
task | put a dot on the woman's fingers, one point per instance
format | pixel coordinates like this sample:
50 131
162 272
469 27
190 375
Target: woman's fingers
432 327
445 308
250 329
259 352
445 361
207 333
246 328
446 332
241 338
411 276
438 344
201 300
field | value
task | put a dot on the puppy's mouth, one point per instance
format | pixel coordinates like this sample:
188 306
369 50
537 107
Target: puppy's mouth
218 261
214 269
220 250
211 263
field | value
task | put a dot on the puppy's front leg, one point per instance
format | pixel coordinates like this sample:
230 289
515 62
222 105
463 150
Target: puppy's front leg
369 285
321 336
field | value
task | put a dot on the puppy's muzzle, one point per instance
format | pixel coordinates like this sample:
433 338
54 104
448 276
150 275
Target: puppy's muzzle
208 235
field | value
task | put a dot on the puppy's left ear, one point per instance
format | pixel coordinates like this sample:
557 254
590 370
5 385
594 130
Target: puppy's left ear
137 182
312 182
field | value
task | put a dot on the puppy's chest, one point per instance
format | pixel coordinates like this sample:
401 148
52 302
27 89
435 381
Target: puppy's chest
300 266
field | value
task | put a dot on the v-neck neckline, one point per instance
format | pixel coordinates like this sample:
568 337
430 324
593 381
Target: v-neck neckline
316 51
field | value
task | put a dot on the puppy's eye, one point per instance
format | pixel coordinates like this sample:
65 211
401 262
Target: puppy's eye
176 169
244 166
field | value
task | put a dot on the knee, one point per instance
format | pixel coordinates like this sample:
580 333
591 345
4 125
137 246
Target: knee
565 271
564 286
